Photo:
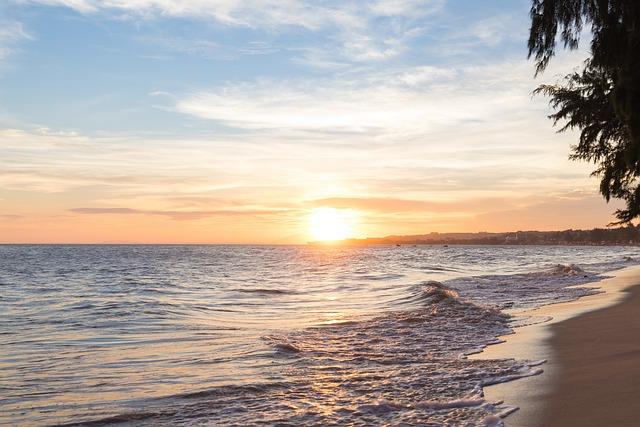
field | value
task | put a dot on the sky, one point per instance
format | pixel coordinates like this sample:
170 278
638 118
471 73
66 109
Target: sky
230 121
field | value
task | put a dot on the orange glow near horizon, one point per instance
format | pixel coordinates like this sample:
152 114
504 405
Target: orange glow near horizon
329 224
329 220
309 130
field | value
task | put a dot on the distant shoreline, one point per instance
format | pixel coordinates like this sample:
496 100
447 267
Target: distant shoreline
324 244
457 243
620 236
319 244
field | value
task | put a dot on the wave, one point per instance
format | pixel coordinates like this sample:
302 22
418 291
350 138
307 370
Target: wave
554 284
126 418
264 291
281 344
245 389
384 406
425 293
416 356
404 366
452 403
434 292
402 359
386 276
566 270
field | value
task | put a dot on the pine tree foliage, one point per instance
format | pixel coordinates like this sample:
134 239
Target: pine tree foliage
602 101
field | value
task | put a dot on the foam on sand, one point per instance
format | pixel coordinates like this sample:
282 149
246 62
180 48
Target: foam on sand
536 396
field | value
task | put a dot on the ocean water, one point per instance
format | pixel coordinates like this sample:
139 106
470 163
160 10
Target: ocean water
286 335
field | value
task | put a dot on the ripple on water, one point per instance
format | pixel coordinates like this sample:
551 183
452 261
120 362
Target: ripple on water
229 335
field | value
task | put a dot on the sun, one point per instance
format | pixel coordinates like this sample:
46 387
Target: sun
329 224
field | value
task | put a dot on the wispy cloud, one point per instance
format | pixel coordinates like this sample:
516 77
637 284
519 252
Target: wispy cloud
11 34
486 33
394 205
213 181
392 108
10 217
412 101
178 215
554 212
356 31
404 8
260 13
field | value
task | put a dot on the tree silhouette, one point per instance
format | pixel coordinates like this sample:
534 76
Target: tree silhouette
602 100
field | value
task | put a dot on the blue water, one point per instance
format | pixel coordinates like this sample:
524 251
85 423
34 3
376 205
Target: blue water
165 335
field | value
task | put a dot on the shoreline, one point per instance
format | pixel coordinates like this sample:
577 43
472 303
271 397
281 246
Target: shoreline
570 342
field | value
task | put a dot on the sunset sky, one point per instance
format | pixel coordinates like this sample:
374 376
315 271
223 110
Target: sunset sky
234 121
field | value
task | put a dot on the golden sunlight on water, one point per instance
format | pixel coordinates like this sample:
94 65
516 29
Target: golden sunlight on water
330 224
315 334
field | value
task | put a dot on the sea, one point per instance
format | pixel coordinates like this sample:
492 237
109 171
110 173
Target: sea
228 335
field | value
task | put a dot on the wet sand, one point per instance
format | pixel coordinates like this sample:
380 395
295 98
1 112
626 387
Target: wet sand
592 348
599 361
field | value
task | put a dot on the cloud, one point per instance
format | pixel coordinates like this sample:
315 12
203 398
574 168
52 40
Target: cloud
486 103
11 34
409 186
355 31
13 31
259 13
484 33
404 8
413 100
242 13
10 217
393 205
580 210
374 204
311 105
177 215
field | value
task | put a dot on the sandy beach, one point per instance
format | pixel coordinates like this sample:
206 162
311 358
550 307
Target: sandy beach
599 360
592 348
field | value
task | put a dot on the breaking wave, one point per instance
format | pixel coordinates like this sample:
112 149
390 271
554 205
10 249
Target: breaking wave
261 291
304 336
